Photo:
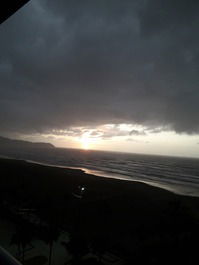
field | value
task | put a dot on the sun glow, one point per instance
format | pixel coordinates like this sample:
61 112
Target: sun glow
86 143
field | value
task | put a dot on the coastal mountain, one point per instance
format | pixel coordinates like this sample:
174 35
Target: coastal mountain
12 143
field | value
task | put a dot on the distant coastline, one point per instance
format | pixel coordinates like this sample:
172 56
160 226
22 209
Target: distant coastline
13 143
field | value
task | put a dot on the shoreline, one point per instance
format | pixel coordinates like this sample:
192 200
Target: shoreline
175 189
82 174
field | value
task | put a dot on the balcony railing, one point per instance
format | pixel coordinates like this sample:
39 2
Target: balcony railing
7 259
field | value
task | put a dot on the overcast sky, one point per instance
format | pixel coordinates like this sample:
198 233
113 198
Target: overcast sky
84 68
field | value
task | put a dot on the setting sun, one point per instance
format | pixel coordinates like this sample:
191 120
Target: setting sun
85 142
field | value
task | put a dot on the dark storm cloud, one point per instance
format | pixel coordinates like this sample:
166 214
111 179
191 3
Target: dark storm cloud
81 63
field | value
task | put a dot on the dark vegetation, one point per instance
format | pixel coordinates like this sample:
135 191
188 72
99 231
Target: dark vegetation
135 222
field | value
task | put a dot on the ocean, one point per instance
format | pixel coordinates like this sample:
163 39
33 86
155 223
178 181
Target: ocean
176 174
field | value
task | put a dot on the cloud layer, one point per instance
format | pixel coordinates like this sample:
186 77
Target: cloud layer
87 63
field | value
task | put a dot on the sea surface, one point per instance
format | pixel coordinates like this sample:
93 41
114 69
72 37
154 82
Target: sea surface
176 174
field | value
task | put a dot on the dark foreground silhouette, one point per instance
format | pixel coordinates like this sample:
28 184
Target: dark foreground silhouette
108 221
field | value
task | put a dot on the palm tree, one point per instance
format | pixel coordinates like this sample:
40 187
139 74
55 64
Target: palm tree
16 240
22 237
49 236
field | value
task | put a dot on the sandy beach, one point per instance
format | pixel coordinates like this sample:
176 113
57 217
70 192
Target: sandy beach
133 221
